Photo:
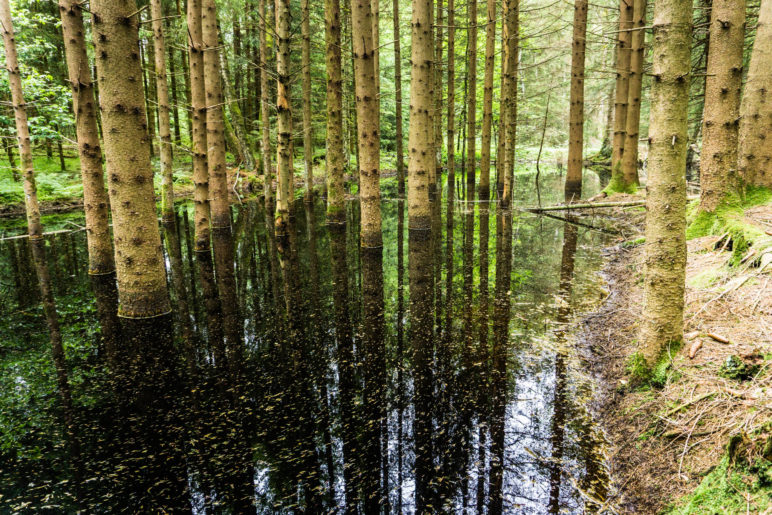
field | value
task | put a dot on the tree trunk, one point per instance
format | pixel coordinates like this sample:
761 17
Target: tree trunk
148 95
215 124
471 100
284 109
487 120
265 122
368 128
633 121
164 125
100 247
139 263
308 153
336 207
755 151
723 85
238 125
624 37
509 97
34 227
573 190
436 183
175 105
198 124
662 318
420 128
398 101
451 115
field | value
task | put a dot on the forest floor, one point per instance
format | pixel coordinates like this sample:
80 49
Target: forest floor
696 436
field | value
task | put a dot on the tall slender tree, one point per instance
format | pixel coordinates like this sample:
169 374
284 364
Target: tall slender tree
164 125
308 156
451 115
471 99
336 208
755 154
573 189
666 200
624 36
284 110
487 120
634 87
508 125
198 123
723 84
215 126
265 123
398 101
100 247
368 129
142 290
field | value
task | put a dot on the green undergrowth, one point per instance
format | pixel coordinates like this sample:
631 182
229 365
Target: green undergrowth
657 376
729 218
741 483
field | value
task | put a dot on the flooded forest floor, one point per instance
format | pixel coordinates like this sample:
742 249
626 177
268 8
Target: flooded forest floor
695 436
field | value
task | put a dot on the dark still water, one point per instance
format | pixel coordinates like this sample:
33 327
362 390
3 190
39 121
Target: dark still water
304 374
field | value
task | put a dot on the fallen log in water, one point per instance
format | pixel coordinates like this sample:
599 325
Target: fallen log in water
589 205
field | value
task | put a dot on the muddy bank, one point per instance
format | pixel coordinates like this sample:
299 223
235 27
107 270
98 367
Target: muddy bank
667 435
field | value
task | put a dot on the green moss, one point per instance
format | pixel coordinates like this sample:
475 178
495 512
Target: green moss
728 488
727 216
658 375
617 183
634 243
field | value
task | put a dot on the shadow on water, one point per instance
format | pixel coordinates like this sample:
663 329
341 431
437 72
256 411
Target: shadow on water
300 372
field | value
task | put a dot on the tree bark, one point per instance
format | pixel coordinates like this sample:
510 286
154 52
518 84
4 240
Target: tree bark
284 109
265 122
140 270
368 128
624 37
487 119
336 207
215 124
573 189
420 128
164 125
34 227
634 86
451 115
398 101
238 125
509 97
723 85
198 122
755 151
437 112
100 247
662 317
308 154
471 100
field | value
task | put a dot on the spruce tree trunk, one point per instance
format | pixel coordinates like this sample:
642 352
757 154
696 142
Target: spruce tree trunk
509 97
308 154
139 261
755 151
284 109
420 128
634 86
237 127
624 37
265 122
662 317
573 189
164 125
336 207
368 128
100 247
451 115
437 112
198 124
487 119
723 85
34 227
398 101
11 159
471 100
215 123
175 105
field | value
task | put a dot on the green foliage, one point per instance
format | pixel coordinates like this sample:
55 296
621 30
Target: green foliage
734 486
735 368
658 375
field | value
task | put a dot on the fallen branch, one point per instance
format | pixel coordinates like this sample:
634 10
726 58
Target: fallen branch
689 403
590 205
